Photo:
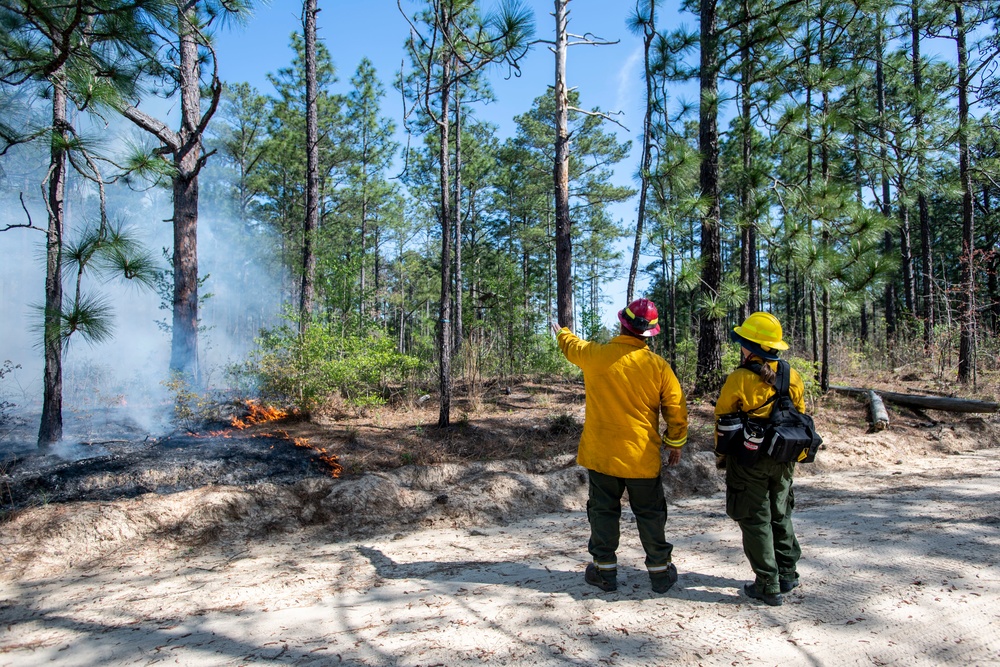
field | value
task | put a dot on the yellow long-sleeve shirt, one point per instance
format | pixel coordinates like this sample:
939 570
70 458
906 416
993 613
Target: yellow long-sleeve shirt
628 386
745 391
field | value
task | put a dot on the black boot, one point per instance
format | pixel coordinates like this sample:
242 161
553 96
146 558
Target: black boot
663 581
606 580
772 599
788 584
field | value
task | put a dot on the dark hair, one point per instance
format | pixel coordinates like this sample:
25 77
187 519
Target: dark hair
761 368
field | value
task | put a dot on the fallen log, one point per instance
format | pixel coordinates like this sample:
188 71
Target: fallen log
944 403
879 415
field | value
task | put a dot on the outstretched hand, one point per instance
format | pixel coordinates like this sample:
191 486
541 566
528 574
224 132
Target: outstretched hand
555 327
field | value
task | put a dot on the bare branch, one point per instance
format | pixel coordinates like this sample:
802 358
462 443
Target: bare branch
28 225
601 114
590 38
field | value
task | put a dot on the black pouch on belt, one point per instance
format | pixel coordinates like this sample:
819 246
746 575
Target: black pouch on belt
752 441
728 433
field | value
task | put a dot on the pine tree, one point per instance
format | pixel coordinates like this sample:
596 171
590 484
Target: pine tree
187 38
85 55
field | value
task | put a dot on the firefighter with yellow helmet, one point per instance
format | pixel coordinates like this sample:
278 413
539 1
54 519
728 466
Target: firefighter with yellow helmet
628 388
759 492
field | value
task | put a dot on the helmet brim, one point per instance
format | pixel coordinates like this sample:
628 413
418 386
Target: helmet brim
774 345
753 347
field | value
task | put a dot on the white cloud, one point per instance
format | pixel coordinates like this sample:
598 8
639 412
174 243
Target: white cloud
629 93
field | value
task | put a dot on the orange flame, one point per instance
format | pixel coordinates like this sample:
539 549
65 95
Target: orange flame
257 414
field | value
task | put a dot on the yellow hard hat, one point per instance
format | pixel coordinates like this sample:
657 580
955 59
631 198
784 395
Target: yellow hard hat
763 329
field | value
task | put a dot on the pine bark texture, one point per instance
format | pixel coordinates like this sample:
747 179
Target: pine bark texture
50 429
710 339
311 223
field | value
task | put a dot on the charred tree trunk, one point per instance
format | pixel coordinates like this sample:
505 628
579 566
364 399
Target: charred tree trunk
944 403
560 173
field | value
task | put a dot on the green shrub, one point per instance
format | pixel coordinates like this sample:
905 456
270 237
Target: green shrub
191 407
307 369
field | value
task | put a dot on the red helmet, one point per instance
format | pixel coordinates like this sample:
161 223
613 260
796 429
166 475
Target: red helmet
640 317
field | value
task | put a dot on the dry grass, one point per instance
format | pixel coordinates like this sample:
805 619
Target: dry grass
535 418
529 420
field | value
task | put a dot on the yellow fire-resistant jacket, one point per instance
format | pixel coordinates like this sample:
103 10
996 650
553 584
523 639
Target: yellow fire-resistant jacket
628 386
744 390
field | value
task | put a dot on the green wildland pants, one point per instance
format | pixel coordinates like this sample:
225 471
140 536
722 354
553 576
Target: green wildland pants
760 499
604 510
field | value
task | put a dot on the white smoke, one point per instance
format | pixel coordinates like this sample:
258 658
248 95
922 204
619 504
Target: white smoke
118 386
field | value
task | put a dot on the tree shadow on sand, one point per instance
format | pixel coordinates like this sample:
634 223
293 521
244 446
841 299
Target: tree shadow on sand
633 583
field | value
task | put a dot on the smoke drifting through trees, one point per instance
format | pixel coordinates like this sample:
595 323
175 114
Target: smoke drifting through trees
127 373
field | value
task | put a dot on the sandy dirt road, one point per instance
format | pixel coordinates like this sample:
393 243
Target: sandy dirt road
901 566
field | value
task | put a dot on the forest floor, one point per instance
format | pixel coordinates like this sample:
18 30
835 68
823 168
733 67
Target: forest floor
227 546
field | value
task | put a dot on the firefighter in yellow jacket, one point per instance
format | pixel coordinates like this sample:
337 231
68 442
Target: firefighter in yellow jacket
628 387
759 492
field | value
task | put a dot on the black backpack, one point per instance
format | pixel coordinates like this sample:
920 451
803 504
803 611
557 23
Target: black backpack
786 435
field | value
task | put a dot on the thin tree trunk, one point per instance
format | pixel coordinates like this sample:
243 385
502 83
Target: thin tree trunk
649 32
926 303
307 291
560 174
748 232
444 332
51 426
814 328
185 146
906 252
458 219
709 366
966 348
886 205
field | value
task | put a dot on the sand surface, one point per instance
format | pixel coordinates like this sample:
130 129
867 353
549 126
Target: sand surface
899 567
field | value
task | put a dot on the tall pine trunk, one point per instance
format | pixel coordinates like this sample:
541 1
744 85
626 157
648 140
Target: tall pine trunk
966 347
459 333
748 232
51 427
184 342
560 175
311 223
709 366
889 296
185 147
926 303
649 32
444 328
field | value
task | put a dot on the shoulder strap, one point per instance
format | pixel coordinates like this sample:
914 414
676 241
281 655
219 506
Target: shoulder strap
783 378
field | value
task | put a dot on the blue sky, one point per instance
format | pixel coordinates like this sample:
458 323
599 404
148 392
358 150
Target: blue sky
609 77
